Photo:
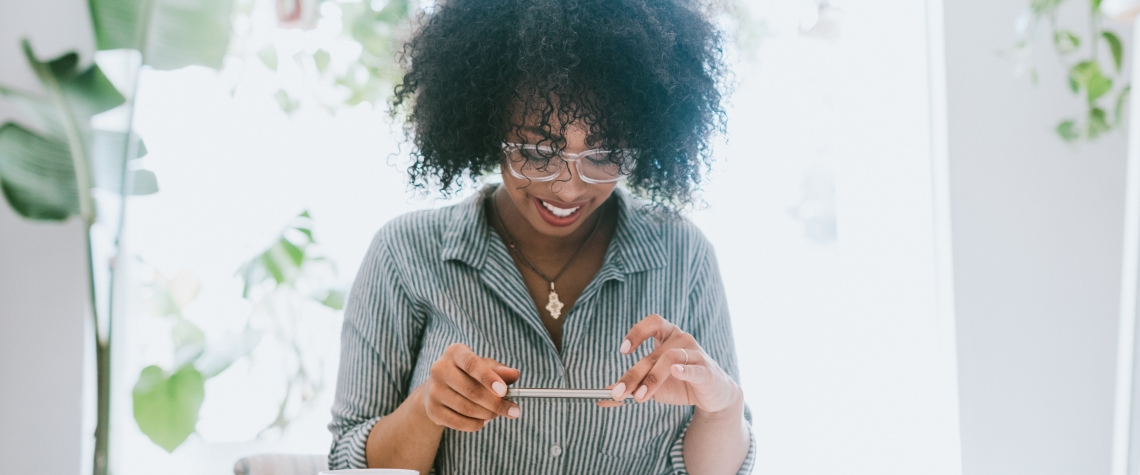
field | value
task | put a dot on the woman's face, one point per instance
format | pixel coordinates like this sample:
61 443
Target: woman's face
556 208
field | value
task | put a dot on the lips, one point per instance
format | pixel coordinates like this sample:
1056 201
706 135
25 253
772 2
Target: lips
557 213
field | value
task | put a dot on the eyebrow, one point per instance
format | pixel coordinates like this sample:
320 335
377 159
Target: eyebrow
539 131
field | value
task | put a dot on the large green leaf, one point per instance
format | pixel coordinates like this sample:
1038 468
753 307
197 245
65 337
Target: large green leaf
86 92
171 34
166 406
37 109
36 174
72 96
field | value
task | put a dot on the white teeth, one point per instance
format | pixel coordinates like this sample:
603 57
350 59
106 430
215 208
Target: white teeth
561 213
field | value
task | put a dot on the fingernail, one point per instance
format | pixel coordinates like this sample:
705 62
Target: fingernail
499 388
624 347
514 412
618 391
680 369
641 392
488 421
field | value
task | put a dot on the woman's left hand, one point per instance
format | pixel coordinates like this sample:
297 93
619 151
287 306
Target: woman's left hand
677 372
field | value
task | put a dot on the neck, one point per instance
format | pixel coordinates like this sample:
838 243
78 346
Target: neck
533 241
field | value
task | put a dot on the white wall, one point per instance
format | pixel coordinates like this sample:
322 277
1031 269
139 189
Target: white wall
42 280
1037 253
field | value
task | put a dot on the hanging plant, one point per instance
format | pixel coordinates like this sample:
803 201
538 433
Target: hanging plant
1093 59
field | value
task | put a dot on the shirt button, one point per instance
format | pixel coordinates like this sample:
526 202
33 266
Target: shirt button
555 450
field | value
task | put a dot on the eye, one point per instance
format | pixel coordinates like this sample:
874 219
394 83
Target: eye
535 154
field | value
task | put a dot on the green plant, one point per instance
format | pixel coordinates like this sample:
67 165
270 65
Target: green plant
1081 56
281 281
284 282
354 66
51 165
167 401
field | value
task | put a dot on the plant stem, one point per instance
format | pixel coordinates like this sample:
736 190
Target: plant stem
103 411
102 370
84 183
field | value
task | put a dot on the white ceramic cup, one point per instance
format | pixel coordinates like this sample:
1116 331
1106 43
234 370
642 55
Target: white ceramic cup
371 471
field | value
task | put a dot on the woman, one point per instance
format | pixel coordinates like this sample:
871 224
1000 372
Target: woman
557 278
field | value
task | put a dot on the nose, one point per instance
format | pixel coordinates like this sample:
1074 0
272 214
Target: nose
569 187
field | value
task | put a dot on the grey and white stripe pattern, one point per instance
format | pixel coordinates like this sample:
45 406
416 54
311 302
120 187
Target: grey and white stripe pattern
437 277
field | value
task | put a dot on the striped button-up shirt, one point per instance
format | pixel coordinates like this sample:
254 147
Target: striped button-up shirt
437 277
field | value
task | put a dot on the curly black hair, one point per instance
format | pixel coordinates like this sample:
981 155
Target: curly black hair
641 74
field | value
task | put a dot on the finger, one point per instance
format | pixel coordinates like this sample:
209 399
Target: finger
661 371
631 380
477 368
653 326
476 392
509 375
695 374
609 403
466 407
447 417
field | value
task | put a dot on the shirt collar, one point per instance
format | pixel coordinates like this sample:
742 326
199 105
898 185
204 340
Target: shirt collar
636 246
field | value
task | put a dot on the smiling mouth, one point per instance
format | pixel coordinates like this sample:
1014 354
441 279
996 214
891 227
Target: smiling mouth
559 212
558 216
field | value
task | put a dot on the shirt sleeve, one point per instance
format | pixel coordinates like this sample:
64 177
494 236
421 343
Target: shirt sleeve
379 338
712 328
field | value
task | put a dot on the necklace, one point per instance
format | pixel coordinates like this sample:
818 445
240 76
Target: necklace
553 305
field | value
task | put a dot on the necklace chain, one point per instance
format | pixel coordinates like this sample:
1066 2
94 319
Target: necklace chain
554 306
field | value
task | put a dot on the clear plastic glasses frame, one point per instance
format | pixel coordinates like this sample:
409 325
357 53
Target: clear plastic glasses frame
593 166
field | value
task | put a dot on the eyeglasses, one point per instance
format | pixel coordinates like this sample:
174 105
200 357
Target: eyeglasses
537 163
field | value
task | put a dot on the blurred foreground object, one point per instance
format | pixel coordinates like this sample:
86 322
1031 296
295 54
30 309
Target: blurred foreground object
51 167
281 464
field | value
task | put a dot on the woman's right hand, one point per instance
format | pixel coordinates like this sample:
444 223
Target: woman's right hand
465 391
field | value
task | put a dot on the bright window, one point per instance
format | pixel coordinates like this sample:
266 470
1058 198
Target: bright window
823 207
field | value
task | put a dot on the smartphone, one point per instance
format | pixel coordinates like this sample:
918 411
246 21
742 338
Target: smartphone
559 393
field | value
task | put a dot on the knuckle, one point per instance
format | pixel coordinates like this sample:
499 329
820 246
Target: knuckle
465 407
651 379
472 387
653 357
470 366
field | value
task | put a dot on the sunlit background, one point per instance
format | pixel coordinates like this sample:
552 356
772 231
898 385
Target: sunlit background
827 205
237 161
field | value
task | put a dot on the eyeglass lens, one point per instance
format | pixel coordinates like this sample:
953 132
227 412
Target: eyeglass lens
596 165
